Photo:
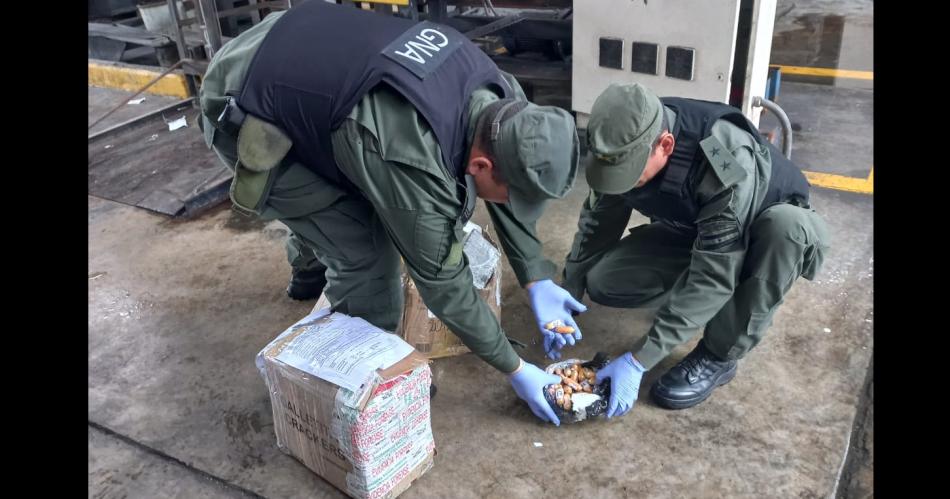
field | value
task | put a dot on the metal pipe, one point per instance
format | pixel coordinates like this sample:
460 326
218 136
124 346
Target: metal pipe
783 120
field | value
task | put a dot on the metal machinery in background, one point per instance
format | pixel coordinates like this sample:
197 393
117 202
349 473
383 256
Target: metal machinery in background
528 38
715 50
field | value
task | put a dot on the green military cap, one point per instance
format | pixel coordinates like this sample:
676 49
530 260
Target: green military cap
624 123
536 149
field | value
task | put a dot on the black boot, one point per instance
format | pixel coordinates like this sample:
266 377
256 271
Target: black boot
693 379
306 285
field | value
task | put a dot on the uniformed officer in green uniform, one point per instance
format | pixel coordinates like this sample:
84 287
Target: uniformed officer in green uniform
395 196
731 230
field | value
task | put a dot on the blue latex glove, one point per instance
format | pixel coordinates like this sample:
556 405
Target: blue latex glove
529 382
625 374
551 302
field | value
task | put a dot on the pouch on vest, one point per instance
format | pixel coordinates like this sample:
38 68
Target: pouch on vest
249 188
261 147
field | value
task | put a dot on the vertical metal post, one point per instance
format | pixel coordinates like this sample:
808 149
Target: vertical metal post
438 11
212 28
180 37
255 14
182 47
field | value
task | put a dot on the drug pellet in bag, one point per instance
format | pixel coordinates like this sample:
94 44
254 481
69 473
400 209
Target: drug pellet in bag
570 405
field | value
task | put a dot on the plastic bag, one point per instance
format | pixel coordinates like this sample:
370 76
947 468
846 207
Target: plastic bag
584 405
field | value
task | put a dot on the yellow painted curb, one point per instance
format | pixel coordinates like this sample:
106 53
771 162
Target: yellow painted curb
832 72
132 79
841 183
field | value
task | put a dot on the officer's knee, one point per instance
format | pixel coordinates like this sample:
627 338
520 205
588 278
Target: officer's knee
792 234
780 223
379 301
606 286
595 284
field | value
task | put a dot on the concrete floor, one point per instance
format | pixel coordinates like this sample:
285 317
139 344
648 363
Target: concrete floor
178 309
828 120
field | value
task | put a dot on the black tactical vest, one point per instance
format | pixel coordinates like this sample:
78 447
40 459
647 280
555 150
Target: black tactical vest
320 59
670 196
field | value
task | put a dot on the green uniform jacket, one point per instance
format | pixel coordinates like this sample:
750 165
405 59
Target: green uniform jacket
389 152
728 197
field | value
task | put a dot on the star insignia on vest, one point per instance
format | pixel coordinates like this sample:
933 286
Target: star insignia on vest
723 168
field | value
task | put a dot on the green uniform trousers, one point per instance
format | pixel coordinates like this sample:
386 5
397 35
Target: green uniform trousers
336 231
786 242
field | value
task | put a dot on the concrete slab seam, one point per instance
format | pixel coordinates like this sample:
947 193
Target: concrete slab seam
157 453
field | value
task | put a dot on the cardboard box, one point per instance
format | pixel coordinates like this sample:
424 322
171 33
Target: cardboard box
350 402
423 330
